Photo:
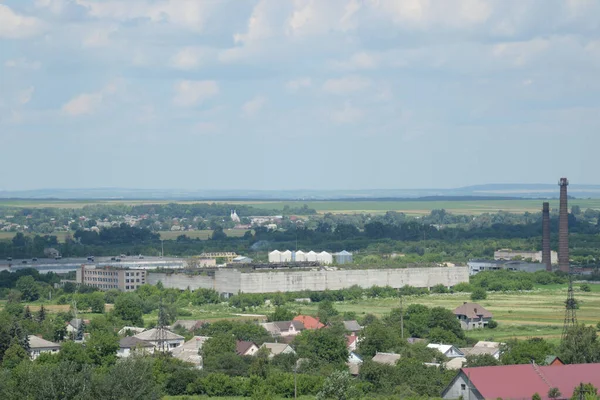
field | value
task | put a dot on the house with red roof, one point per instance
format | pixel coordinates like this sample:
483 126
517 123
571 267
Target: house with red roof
515 382
310 323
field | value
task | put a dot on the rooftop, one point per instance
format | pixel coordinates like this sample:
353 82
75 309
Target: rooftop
130 342
472 310
153 335
36 342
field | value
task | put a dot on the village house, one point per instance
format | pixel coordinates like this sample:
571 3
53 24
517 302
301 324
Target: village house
472 316
188 324
190 351
156 335
481 348
283 328
310 323
130 344
447 350
245 348
38 346
352 327
352 342
276 349
386 358
520 381
130 331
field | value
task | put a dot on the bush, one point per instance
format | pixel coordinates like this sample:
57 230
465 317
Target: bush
585 288
463 287
439 289
478 294
492 324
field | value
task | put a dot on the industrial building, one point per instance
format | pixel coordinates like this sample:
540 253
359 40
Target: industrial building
476 266
111 278
534 256
232 281
323 257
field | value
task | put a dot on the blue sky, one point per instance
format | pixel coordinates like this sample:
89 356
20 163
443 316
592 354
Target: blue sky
298 94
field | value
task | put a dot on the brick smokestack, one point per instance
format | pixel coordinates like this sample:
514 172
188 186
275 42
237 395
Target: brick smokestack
546 255
563 227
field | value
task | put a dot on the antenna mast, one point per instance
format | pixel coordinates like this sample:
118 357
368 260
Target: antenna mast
570 308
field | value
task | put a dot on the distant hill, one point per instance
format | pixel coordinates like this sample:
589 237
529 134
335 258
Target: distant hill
491 191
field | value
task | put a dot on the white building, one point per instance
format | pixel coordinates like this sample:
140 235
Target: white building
155 336
37 346
311 256
286 256
130 345
446 349
190 351
535 256
324 258
275 256
299 256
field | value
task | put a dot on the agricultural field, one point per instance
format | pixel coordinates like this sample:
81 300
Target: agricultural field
416 208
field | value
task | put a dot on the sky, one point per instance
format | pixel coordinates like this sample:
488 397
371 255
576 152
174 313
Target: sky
298 94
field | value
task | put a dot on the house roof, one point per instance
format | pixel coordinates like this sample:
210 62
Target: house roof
455 363
276 348
386 358
189 324
193 344
352 326
154 334
472 310
483 343
36 342
478 351
442 348
129 342
550 359
522 381
413 340
309 322
242 346
132 329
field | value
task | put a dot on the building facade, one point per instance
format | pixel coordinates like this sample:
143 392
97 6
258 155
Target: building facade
111 278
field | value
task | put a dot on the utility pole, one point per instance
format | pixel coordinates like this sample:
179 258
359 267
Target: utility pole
162 248
401 315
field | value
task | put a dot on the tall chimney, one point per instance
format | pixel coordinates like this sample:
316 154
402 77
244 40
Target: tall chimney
563 227
546 255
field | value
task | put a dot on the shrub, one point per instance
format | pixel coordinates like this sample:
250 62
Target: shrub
439 289
492 324
585 288
462 287
478 294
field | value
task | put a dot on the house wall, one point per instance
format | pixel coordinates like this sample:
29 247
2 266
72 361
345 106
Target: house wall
456 391
469 324
182 281
35 353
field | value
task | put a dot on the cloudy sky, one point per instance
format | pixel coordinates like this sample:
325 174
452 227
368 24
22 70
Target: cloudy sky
289 94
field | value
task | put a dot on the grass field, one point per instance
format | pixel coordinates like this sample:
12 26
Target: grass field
474 207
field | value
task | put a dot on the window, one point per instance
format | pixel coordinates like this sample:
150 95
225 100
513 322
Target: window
463 386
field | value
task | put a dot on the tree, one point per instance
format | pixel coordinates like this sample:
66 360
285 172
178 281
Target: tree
586 391
580 345
536 396
338 386
478 294
132 378
378 337
482 360
27 314
41 315
128 307
554 393
102 347
14 355
281 314
97 302
326 311
218 234
322 346
80 331
28 287
525 351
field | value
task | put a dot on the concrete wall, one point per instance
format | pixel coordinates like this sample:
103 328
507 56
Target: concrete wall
233 281
182 281
294 281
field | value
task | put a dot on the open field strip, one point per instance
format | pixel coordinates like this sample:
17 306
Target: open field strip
416 207
165 235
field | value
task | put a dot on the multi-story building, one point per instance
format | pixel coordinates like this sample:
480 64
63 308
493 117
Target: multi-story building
111 278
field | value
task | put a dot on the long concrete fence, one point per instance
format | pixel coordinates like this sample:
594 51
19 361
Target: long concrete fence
234 281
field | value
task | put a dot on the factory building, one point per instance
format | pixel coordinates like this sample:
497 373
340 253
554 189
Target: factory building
111 278
476 266
535 256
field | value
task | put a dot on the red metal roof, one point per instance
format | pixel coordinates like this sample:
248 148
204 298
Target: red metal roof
523 381
309 322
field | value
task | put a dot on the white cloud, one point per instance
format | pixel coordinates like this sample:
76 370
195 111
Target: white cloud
190 58
14 26
297 84
253 106
346 85
22 63
347 115
189 93
25 95
99 37
88 103
358 61
191 14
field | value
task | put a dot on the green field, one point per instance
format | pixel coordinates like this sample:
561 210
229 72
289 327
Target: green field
473 207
